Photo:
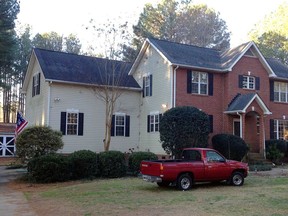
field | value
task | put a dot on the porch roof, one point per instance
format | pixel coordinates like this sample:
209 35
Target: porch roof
241 102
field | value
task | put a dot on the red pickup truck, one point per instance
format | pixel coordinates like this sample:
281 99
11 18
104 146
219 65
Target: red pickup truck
196 165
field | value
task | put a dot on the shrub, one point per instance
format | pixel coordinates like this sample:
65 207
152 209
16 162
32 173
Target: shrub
231 146
36 141
49 168
275 150
183 127
135 159
83 164
112 164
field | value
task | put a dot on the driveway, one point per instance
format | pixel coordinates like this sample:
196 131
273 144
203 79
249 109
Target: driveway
12 203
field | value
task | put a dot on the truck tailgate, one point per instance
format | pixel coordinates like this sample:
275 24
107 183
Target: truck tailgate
151 168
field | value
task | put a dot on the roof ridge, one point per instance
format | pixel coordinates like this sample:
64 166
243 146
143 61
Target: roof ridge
183 44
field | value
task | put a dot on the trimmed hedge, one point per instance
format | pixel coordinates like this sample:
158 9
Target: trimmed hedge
83 164
135 159
231 146
112 164
36 141
49 168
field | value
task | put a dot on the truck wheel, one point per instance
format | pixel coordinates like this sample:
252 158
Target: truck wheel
163 184
237 179
184 182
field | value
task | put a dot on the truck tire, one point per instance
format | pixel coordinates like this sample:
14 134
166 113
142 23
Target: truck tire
237 179
184 182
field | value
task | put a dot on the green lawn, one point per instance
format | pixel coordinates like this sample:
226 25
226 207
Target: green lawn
132 196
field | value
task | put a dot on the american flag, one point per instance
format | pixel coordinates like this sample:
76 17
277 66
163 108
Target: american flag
20 123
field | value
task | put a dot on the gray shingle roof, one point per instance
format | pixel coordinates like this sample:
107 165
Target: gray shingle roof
240 102
199 57
280 69
66 67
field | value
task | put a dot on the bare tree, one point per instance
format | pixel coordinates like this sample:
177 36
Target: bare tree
112 77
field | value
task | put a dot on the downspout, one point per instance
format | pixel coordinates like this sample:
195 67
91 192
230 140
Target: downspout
48 104
264 137
174 86
240 116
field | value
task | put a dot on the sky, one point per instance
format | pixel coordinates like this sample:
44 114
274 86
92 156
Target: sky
72 16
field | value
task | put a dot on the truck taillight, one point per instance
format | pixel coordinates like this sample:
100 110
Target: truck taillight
161 167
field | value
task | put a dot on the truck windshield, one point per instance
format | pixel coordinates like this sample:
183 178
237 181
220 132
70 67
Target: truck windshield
191 155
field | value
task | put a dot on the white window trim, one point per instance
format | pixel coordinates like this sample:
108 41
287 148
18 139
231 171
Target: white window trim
124 125
248 82
147 84
279 92
72 111
199 83
154 113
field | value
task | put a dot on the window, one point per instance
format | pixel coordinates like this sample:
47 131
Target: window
147 86
281 129
72 123
120 125
36 85
153 121
248 82
199 83
214 157
281 92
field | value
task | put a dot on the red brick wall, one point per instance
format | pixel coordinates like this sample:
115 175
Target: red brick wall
225 88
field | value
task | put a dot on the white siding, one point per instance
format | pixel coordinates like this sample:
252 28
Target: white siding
153 63
36 107
84 100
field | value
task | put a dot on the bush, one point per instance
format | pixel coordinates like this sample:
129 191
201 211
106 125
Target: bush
275 150
183 127
83 164
135 159
112 164
49 168
231 146
36 141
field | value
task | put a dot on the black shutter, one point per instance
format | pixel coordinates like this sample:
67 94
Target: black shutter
143 87
148 123
210 87
240 81
113 126
33 89
257 79
63 123
81 124
189 81
127 126
271 90
211 123
150 85
38 86
272 129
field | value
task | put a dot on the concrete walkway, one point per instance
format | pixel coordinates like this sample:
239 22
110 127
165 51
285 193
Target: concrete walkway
12 203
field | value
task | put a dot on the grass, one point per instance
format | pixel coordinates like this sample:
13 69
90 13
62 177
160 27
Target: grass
131 196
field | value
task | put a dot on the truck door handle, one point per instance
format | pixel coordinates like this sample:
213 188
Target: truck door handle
209 166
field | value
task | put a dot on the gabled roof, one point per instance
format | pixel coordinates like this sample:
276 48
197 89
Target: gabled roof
241 102
206 58
79 69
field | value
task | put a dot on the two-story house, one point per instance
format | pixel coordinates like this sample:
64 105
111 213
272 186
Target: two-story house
242 92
